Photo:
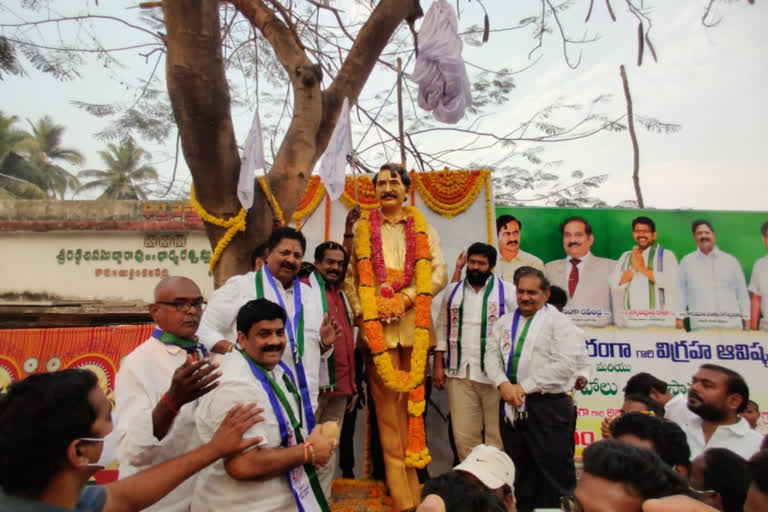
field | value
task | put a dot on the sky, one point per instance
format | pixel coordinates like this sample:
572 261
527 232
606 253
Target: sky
708 80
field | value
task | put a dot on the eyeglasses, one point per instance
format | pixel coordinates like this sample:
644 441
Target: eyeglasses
570 504
182 306
701 493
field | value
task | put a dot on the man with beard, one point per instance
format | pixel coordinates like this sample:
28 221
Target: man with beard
645 281
583 275
280 473
466 320
531 358
508 230
337 376
158 386
713 291
717 395
311 334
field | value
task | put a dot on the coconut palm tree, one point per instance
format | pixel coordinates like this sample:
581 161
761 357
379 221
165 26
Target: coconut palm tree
44 150
124 177
18 178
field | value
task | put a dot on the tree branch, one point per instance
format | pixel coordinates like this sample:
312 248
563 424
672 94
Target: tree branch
633 136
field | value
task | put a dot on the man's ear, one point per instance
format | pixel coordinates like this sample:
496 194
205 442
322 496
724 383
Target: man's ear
734 401
154 310
241 339
76 456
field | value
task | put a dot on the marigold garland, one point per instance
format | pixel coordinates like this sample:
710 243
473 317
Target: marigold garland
412 381
310 199
366 196
272 200
450 193
233 225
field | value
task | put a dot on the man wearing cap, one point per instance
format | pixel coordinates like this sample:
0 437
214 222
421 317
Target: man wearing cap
493 470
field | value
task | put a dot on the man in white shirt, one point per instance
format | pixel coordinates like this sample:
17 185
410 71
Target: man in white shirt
508 230
158 385
280 473
531 358
310 335
645 281
758 285
583 276
470 309
713 291
717 395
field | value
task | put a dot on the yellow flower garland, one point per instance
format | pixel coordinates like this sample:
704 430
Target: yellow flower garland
489 208
467 195
233 225
417 454
272 200
313 194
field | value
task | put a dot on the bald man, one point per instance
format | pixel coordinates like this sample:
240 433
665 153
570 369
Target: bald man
158 386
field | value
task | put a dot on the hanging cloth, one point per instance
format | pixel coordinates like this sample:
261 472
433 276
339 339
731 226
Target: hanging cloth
335 157
253 159
444 87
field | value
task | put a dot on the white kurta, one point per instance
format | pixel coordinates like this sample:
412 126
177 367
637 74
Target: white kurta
219 319
215 489
145 374
739 437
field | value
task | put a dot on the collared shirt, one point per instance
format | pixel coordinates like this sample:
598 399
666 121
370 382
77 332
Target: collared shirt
713 291
218 323
469 366
215 489
580 265
553 348
758 284
739 438
676 409
637 290
393 248
145 374
506 269
92 499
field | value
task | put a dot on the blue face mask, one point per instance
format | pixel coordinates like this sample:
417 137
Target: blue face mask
108 451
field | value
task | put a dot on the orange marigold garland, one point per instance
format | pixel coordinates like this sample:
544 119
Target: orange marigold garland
450 193
366 196
412 381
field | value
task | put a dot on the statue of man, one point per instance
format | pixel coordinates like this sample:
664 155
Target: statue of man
396 267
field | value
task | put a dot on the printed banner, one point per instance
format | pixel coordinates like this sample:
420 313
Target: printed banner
671 355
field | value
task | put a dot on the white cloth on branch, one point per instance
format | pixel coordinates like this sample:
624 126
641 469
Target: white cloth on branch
253 159
335 156
440 72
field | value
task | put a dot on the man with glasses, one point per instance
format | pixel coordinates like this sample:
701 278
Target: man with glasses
158 385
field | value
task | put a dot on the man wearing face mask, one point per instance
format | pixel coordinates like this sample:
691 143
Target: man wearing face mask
55 434
469 311
311 334
645 281
158 385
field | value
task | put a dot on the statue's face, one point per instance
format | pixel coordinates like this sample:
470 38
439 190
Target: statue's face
390 190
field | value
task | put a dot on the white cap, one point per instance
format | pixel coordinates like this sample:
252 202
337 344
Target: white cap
490 465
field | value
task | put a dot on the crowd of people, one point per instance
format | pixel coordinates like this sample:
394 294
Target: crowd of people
238 404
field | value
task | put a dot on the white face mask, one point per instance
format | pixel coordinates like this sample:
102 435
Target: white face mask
108 451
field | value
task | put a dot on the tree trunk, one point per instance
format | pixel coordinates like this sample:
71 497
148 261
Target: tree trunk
199 95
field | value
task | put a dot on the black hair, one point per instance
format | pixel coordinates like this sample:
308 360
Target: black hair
757 470
481 249
254 311
736 383
752 402
506 219
640 471
699 222
39 417
764 228
557 296
726 473
278 234
461 495
259 252
328 246
669 440
650 403
644 220
643 383
525 271
399 169
305 269
576 218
